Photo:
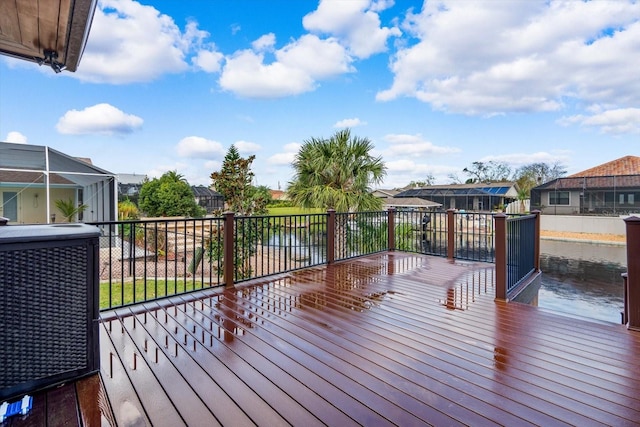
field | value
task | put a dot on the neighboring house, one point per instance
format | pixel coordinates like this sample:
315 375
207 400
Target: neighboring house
207 198
382 193
470 197
33 177
413 203
278 195
612 188
129 185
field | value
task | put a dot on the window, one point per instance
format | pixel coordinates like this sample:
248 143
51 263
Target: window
621 201
559 198
631 199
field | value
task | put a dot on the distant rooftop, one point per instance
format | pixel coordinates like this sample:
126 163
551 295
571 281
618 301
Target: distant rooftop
627 165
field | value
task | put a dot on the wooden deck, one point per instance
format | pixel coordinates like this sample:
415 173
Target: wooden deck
388 339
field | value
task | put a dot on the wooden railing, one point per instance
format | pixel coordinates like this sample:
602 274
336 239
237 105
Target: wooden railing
151 259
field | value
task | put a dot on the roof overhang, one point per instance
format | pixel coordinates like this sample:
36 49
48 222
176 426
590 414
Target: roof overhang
409 202
52 32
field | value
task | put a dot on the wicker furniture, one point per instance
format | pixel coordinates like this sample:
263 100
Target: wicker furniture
48 305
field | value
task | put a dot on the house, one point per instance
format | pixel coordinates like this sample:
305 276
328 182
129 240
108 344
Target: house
278 195
34 177
129 185
612 188
383 193
470 197
412 203
207 198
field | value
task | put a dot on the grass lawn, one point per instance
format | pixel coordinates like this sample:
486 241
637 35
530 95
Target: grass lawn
283 210
154 289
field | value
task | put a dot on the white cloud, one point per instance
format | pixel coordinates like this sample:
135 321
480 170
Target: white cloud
245 74
487 57
615 121
287 156
213 165
16 138
246 147
100 119
196 147
356 23
349 123
266 42
402 171
414 145
296 68
209 61
130 42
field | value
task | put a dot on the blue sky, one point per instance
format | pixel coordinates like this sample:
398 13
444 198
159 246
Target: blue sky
435 85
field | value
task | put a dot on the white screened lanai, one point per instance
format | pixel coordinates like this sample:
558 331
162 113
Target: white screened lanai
33 177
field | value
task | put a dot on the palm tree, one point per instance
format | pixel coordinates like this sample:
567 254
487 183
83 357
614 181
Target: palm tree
336 173
69 209
523 195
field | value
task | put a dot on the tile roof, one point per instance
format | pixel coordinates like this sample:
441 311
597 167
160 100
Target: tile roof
592 182
627 165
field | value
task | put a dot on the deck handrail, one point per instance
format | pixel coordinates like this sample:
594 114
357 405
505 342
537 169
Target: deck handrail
517 251
143 260
631 314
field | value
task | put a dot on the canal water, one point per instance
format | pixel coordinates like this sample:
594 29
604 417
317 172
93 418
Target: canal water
582 279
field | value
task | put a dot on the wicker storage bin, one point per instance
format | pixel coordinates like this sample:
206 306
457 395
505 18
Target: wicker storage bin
49 305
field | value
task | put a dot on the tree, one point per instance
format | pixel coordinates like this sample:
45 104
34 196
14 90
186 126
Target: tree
487 172
336 173
233 181
169 195
534 174
429 180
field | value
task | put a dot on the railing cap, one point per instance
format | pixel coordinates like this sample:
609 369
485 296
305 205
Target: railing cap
632 219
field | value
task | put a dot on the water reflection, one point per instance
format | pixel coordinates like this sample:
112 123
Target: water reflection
582 279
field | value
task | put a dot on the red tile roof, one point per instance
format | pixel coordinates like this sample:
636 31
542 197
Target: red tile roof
627 165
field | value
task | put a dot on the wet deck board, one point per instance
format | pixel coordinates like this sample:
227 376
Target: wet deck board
77 403
388 339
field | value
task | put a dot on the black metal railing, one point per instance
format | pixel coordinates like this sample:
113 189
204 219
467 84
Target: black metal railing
421 232
360 233
267 245
474 236
521 241
151 259
144 260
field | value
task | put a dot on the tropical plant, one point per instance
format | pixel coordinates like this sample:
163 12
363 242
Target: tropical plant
336 173
127 210
69 209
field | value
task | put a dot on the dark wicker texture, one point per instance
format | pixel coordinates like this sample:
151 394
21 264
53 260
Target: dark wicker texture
45 316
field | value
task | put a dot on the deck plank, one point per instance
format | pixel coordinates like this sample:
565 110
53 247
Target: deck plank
391 338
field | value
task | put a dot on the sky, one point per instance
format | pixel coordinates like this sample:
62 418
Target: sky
167 85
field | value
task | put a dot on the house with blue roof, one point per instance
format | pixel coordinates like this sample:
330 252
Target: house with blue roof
480 197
